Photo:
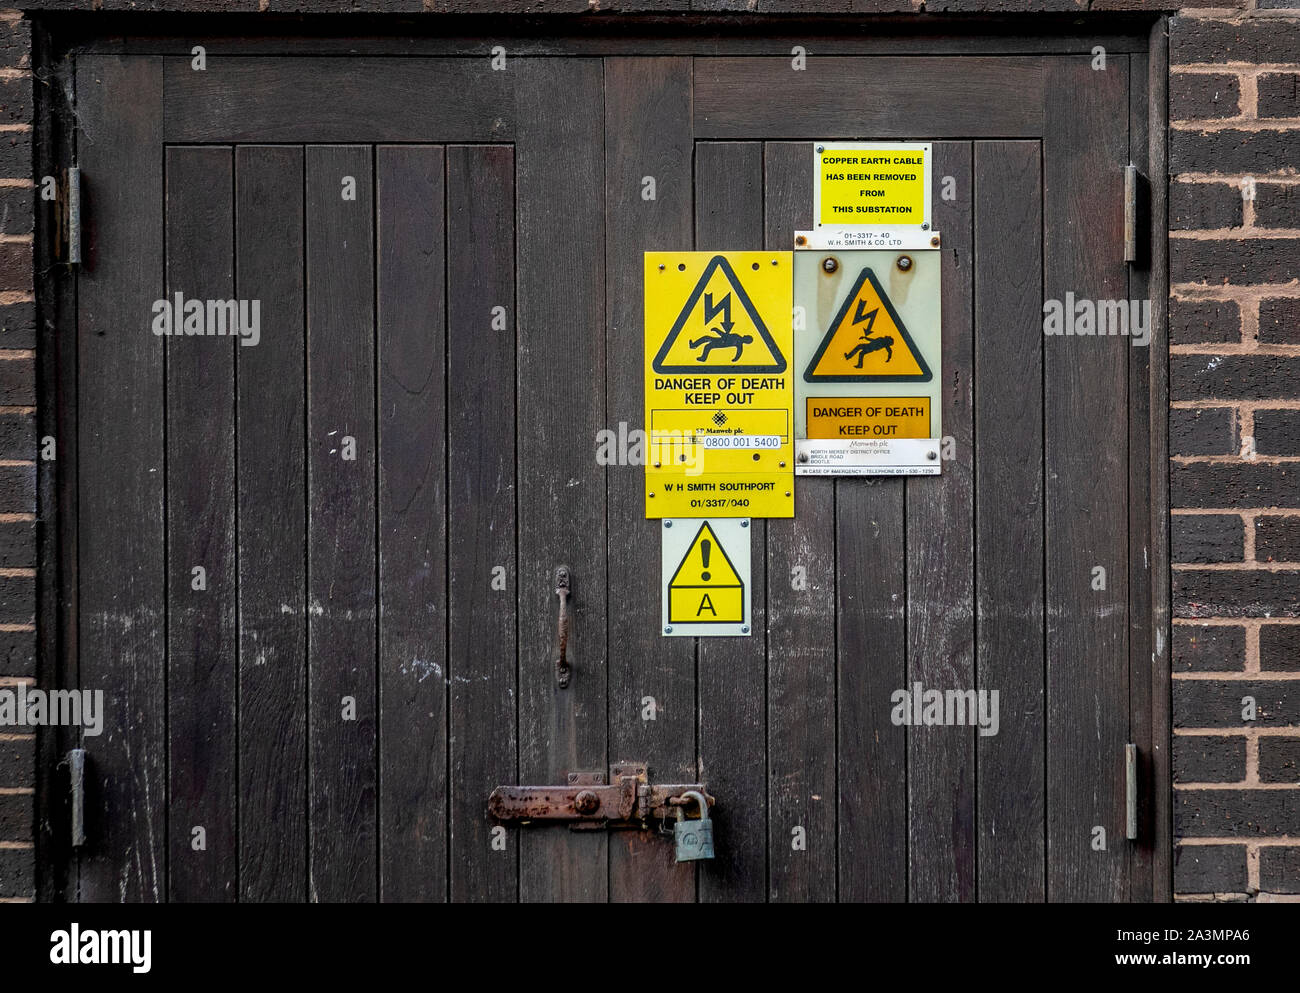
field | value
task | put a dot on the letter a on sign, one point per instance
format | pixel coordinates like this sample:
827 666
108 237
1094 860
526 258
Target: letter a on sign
867 342
718 329
706 576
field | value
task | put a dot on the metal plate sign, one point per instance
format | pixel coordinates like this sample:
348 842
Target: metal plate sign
867 369
879 185
718 385
705 568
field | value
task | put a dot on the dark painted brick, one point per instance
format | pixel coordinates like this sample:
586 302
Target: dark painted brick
1214 703
16 265
1209 648
1196 322
1279 647
17 547
1279 869
1279 321
16 817
17 489
17 654
1277 432
1202 759
18 325
1207 538
1224 484
1236 813
17 872
1233 152
17 760
17 436
16 45
1277 205
1196 95
1203 431
1234 377
1194 39
1277 539
16 100
1240 261
16 215
1210 868
17 600
16 154
1279 759
1279 94
17 382
1194 206
1236 593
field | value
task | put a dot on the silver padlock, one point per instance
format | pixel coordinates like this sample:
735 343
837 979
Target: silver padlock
694 838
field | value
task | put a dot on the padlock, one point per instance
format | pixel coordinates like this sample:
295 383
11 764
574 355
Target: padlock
694 838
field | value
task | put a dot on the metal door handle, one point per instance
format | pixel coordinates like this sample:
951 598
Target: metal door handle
562 659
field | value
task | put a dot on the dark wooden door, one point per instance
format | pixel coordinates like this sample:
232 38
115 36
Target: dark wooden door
378 493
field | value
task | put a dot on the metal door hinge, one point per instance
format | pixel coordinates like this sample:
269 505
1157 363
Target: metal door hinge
1135 198
589 800
77 789
72 196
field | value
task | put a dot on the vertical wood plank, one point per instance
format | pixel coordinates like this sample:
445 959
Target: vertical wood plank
122 590
800 620
341 524
412 522
940 580
732 672
1011 795
647 133
561 359
201 570
482 604
272 527
1086 431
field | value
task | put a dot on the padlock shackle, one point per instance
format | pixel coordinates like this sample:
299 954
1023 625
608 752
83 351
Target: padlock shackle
700 799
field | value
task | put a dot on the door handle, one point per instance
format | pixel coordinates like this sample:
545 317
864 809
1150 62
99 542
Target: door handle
1131 792
562 625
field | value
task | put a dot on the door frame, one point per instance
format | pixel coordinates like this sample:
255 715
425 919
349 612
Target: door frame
59 38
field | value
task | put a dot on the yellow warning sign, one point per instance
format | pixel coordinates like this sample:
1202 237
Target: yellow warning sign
878 186
706 588
868 417
719 390
867 342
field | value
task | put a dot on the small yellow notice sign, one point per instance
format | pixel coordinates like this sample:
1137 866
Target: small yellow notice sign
719 390
876 185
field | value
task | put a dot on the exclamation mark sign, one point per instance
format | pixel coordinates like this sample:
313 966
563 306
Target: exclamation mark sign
706 547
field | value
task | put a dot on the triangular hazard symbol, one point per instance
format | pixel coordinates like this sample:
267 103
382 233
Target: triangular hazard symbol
867 342
719 329
706 588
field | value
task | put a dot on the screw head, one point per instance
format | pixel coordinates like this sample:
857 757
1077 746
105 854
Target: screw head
829 264
668 524
652 494
800 240
787 492
745 629
904 263
668 630
820 149
803 456
782 465
931 455
935 241
745 523
661 267
925 227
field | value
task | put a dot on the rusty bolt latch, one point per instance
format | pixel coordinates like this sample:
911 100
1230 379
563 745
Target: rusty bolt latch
588 800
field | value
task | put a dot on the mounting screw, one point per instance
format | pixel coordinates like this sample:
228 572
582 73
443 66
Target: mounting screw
744 523
668 630
782 464
668 524
820 149
787 492
925 227
935 241
661 267
800 240
586 802
829 264
931 455
775 262
652 494
904 263
745 629
803 456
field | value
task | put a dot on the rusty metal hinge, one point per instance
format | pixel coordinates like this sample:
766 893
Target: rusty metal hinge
1134 214
590 801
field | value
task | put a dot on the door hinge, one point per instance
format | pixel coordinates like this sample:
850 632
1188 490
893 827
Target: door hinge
77 790
1131 792
1135 200
73 229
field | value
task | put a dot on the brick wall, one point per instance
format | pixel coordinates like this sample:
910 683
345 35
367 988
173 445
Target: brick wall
1234 95
17 449
1234 422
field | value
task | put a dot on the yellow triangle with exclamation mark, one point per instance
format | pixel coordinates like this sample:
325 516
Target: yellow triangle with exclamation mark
706 588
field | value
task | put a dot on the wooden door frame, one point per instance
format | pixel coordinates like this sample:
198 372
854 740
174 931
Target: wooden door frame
58 37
